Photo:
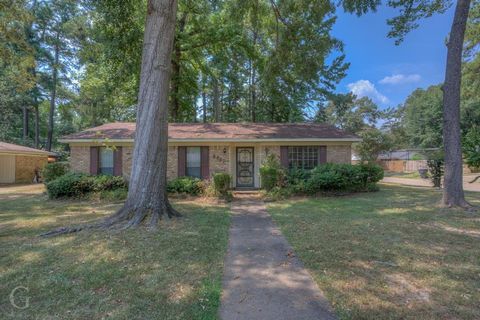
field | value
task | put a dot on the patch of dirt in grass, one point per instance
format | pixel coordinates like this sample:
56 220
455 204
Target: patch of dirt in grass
179 291
406 290
472 233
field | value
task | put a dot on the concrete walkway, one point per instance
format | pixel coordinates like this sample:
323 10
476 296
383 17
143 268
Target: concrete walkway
426 183
263 279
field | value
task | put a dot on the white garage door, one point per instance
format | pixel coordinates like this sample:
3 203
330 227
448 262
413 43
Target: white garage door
7 169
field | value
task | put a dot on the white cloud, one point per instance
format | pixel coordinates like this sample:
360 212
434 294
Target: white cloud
364 88
401 79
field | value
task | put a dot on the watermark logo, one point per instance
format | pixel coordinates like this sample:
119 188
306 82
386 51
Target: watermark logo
19 298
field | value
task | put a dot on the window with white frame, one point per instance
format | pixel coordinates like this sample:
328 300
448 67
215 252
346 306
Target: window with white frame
303 157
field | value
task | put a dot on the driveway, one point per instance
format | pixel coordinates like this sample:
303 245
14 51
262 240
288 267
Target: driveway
475 187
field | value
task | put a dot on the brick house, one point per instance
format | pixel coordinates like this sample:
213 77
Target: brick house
201 149
20 164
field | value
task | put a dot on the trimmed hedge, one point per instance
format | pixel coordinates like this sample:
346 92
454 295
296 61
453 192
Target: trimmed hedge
77 185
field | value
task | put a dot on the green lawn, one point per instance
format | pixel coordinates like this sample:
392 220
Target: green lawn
392 254
174 273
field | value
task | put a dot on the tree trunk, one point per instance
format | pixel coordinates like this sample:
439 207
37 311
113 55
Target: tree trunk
147 195
37 125
25 124
147 192
53 94
204 102
216 101
176 69
453 185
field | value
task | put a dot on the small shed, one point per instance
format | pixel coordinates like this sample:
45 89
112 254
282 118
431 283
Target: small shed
18 164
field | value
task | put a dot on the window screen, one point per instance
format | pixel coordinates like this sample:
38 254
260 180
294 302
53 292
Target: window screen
106 161
303 157
193 162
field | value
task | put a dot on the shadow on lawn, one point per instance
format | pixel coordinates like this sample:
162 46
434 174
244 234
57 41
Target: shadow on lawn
382 255
170 274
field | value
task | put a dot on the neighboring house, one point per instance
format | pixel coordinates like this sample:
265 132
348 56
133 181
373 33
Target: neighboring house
19 164
201 149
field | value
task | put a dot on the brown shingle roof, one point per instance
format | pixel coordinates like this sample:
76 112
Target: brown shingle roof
15 148
220 131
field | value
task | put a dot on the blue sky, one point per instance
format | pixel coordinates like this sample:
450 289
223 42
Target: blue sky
383 71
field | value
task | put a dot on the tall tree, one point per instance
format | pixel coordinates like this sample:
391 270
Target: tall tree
410 12
147 194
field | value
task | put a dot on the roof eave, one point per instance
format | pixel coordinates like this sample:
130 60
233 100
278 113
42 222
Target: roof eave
218 140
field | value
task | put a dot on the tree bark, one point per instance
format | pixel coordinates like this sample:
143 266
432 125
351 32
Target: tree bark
53 95
37 125
147 195
204 102
453 194
216 100
25 124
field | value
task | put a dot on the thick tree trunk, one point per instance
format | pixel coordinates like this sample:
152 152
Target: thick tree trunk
53 95
453 185
147 195
147 192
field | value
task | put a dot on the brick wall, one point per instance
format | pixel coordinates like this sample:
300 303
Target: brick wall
339 154
267 150
127 156
172 165
25 167
219 161
80 159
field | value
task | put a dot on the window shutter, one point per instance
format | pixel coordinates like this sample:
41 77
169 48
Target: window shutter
284 156
182 161
204 163
93 160
117 161
322 154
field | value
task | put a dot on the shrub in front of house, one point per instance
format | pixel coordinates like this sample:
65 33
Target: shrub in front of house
70 185
52 171
271 173
221 182
330 177
185 185
78 185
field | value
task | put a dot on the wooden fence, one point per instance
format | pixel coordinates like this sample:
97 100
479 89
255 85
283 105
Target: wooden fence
402 165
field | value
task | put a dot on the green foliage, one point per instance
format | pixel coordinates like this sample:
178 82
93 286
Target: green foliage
350 113
435 164
186 185
221 182
77 185
423 117
53 170
271 173
334 178
471 147
108 183
374 142
69 185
